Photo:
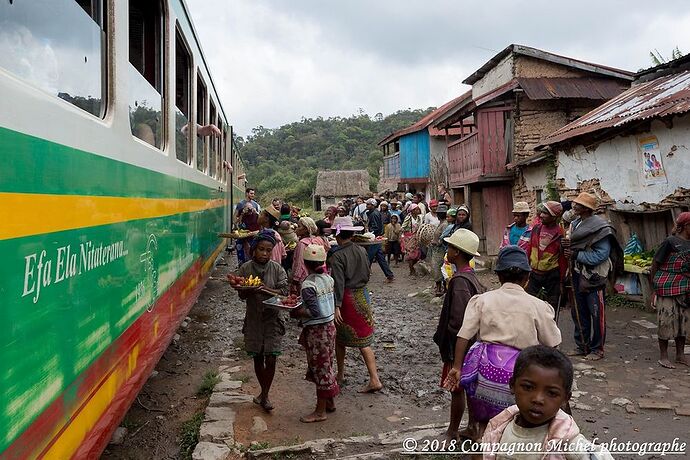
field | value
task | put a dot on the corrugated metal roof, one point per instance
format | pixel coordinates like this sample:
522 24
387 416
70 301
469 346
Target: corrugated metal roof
667 95
425 121
578 88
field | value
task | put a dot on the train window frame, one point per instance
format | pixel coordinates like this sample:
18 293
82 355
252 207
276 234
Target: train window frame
201 120
212 145
161 70
224 149
100 16
181 43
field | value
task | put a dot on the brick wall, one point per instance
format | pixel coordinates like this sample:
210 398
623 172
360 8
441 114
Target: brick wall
528 67
536 119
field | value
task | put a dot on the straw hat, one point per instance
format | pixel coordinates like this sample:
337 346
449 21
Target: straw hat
521 207
464 240
315 252
587 200
273 212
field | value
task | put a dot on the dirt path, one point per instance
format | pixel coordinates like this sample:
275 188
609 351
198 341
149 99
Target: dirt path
409 366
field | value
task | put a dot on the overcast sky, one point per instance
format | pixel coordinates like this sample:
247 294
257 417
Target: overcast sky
275 62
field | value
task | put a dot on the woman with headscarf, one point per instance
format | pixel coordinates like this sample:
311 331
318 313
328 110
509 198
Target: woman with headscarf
670 274
462 218
546 254
330 214
459 218
307 232
354 316
264 327
438 249
504 321
410 240
268 220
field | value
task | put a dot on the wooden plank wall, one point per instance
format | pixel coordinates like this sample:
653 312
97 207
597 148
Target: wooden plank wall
651 227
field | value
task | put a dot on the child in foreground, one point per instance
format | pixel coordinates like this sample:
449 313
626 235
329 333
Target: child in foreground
542 382
264 327
318 334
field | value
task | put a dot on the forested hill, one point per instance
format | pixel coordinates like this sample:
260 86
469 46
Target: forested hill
283 162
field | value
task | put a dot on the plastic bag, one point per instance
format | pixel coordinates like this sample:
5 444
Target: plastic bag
634 245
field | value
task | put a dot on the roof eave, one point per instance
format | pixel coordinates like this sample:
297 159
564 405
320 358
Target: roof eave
546 56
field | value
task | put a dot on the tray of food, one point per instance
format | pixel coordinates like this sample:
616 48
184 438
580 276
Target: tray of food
245 284
289 302
238 235
370 242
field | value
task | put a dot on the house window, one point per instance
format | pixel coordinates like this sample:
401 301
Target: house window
183 70
201 97
539 194
509 127
57 46
146 71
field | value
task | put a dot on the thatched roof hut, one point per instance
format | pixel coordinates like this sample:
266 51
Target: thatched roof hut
342 184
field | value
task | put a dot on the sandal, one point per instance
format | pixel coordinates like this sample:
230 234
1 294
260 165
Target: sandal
577 352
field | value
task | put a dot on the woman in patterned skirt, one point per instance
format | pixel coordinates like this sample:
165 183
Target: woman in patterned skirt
354 317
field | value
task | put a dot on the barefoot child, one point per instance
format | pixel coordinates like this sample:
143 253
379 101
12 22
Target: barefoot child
462 247
542 381
264 326
392 233
318 335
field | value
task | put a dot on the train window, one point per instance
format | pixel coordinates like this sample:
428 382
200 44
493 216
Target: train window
212 171
183 70
224 149
221 150
146 71
57 46
201 97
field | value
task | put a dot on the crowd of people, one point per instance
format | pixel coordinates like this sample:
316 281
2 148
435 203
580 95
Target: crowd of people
498 348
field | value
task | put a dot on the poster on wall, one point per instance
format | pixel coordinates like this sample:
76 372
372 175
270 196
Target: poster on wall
650 157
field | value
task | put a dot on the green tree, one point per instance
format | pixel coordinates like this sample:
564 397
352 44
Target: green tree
284 161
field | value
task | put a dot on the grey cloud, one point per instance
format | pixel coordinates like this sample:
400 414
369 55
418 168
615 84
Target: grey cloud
276 61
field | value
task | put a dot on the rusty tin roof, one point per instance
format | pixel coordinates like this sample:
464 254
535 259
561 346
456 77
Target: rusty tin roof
668 95
427 120
576 88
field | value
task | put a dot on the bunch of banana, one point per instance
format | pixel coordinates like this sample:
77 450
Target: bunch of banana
252 281
639 259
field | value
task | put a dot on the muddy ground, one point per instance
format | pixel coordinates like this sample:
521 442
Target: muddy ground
409 366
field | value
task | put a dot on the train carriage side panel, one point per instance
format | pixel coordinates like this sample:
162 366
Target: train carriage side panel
106 241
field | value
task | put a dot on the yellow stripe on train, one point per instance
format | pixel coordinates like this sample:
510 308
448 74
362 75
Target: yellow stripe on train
26 214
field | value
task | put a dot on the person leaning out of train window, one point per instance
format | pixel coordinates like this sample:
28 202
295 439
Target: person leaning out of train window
519 232
203 130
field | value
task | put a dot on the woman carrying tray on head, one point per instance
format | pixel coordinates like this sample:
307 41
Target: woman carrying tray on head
307 233
264 327
318 334
354 316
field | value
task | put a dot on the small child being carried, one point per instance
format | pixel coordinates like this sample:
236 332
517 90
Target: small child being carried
542 382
